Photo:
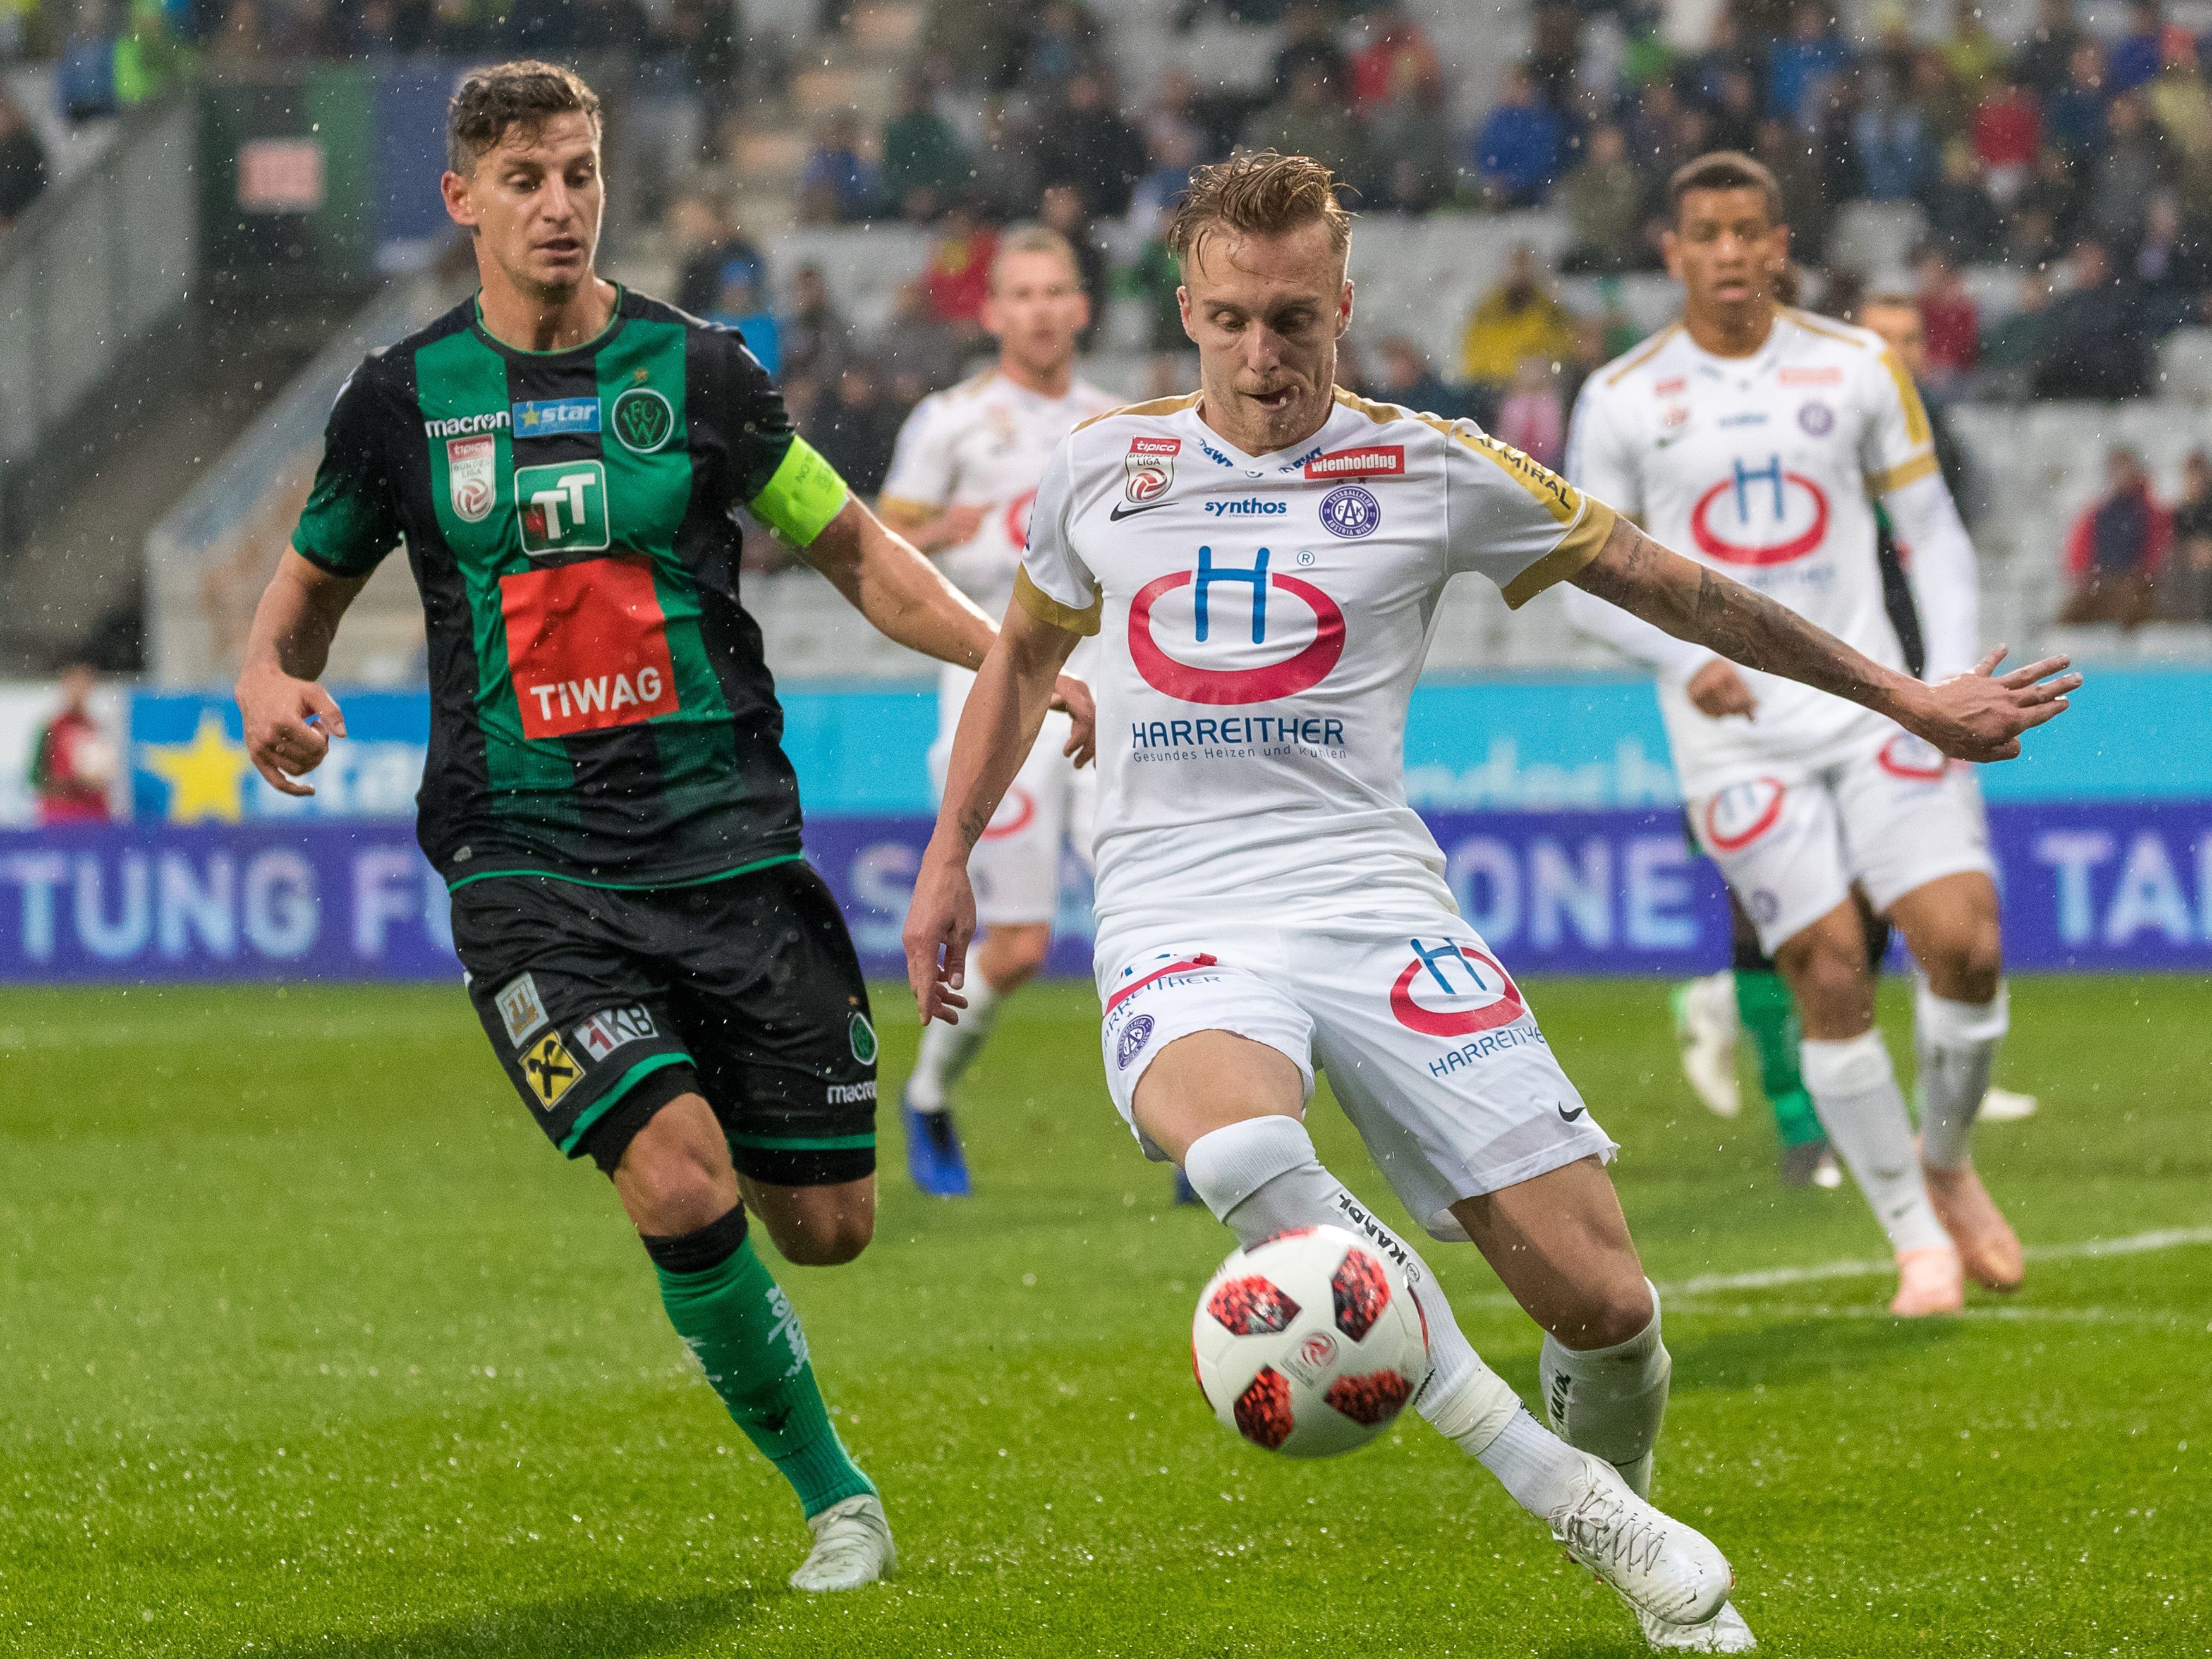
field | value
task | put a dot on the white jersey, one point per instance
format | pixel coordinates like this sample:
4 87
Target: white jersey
1767 469
985 443
1261 622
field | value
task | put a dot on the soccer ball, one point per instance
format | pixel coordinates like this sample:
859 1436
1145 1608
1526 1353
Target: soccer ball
1308 1343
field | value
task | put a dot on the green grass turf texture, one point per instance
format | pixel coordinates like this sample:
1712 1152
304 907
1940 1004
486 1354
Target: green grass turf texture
309 1344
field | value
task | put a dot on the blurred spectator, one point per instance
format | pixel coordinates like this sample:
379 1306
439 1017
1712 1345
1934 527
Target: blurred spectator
87 70
1312 44
1897 318
2045 215
1962 219
1413 159
1806 204
837 186
919 353
980 39
1972 54
2188 596
1603 203
1154 278
2138 56
856 426
1734 111
72 764
923 165
22 163
707 241
742 305
2075 117
1530 417
1085 144
1514 318
1406 377
1950 322
1313 120
1172 150
1172 107
1799 67
2129 172
1891 143
2181 109
1555 50
149 58
1063 45
2116 547
2169 265
1004 187
2013 348
1061 209
814 335
2095 346
960 269
2046 56
1517 147
1395 51
2007 134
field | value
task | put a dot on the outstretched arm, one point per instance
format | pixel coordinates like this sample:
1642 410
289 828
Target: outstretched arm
998 727
278 691
1975 716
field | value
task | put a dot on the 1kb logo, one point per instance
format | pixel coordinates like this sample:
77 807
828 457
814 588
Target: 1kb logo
563 508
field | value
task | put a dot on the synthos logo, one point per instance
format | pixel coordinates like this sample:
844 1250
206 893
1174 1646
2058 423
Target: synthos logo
1766 516
1473 999
1301 671
1742 813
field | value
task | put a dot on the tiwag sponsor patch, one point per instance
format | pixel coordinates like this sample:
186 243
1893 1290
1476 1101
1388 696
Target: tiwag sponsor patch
608 1029
588 647
1374 461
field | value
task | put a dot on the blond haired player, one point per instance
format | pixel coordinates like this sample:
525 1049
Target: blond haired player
961 481
1760 440
1261 562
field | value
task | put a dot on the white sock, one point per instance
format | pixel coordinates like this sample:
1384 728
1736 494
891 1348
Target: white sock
1855 1094
1611 1401
1261 1177
1956 1043
946 1051
1533 1464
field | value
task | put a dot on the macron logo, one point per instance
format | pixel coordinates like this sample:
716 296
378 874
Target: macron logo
1376 461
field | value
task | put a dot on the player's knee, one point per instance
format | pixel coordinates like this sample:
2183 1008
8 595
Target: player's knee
1832 986
670 1192
1617 1312
828 1243
1968 963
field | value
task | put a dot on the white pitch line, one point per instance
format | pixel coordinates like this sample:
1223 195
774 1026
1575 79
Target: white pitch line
2165 1238
1771 1310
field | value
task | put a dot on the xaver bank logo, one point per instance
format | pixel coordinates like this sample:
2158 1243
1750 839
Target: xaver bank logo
1451 990
1307 634
1760 516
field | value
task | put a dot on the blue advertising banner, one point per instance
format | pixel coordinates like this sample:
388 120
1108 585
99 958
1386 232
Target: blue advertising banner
2087 885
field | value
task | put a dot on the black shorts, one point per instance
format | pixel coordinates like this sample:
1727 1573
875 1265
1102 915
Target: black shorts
604 1005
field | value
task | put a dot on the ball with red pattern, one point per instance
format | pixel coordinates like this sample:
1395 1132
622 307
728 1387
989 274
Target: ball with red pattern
1308 1343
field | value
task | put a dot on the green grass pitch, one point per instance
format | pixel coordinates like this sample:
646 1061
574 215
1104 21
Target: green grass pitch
310 1345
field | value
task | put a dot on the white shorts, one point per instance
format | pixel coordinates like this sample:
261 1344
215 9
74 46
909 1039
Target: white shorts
1427 1041
1015 868
1895 817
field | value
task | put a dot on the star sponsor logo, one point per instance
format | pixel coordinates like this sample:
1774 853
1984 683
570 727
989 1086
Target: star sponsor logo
610 1028
471 475
1373 461
206 776
464 426
552 417
520 1009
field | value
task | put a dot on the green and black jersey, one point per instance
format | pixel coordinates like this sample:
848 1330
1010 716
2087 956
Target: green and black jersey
600 707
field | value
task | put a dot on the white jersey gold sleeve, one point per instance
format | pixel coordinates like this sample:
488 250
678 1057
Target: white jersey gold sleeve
1767 468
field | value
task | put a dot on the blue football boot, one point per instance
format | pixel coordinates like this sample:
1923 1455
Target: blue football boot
933 1157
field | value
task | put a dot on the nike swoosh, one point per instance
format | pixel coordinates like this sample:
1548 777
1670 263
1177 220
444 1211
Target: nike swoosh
1566 1116
1121 512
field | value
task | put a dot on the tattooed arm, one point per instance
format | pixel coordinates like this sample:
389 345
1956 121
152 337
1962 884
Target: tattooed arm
1977 716
998 727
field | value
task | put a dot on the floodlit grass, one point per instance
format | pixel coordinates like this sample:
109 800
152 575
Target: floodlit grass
309 1344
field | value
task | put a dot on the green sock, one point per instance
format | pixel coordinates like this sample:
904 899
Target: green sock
736 1319
1766 1010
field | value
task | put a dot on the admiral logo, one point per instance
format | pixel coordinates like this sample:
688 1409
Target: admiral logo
1537 476
461 425
1246 507
610 1028
552 416
1376 461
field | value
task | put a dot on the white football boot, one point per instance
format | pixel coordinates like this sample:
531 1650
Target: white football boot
1724 1632
852 1546
2005 1106
1660 1566
1705 1030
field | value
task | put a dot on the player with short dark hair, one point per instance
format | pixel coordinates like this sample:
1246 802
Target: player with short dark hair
668 984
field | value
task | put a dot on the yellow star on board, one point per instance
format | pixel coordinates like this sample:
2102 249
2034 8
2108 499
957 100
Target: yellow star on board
203 775
641 375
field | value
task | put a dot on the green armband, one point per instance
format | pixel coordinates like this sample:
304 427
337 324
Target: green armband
804 494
